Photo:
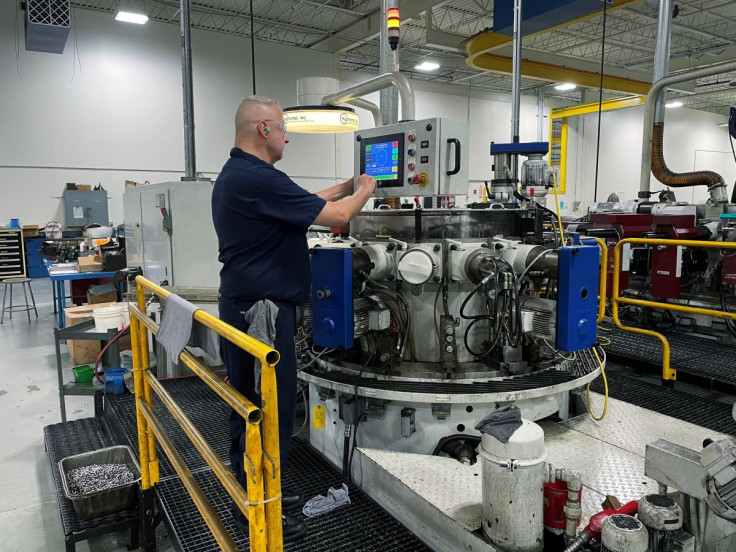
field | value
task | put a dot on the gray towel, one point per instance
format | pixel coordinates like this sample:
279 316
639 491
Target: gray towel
501 423
178 328
323 504
261 318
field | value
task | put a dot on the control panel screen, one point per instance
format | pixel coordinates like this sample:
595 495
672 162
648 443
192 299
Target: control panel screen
382 157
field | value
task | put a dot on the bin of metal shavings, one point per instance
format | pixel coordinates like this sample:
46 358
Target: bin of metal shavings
100 482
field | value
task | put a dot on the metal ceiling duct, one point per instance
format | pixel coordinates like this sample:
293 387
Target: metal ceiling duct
47 24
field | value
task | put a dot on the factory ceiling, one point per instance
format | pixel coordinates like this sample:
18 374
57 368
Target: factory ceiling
703 32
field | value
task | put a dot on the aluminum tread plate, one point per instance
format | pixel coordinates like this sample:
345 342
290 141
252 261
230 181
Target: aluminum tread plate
72 438
631 428
703 412
362 525
604 468
456 493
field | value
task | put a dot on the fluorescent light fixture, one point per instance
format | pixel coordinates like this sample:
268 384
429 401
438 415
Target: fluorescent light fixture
129 17
320 119
427 66
565 86
674 104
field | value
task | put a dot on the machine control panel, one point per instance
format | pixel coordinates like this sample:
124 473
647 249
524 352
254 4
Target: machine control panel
417 158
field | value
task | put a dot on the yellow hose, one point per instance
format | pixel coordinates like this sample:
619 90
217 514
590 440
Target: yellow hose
605 386
557 206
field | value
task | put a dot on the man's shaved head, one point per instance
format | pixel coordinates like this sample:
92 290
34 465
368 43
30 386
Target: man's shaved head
251 110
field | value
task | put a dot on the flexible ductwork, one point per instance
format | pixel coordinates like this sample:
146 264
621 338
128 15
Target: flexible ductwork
648 161
678 180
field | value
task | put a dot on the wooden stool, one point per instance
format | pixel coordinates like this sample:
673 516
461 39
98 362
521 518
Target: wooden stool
9 283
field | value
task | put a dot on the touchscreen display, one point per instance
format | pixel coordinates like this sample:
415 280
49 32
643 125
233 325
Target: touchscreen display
382 160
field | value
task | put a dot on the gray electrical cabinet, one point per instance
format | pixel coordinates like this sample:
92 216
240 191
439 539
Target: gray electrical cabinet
83 207
170 235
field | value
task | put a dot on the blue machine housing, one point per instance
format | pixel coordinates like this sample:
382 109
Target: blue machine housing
577 297
538 15
520 148
332 297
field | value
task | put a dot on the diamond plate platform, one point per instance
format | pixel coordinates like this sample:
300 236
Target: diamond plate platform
706 412
631 428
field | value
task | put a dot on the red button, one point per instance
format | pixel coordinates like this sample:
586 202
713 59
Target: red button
410 166
411 137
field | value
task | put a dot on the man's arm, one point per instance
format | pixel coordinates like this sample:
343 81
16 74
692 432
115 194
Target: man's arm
342 211
337 192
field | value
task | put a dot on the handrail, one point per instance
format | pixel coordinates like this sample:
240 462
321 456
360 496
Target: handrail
668 374
261 457
603 280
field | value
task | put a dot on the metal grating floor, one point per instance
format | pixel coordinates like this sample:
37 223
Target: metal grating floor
207 412
704 411
76 437
362 526
689 354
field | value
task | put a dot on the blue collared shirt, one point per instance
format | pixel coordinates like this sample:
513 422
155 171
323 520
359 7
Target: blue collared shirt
261 217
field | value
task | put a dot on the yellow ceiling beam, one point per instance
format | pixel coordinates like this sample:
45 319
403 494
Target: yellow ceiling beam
558 73
607 105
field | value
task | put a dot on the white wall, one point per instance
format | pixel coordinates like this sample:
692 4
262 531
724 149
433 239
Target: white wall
692 141
120 116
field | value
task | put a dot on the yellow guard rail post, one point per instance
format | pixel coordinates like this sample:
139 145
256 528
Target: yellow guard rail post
263 509
668 373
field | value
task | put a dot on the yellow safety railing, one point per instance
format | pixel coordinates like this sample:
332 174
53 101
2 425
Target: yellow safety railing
602 280
261 457
668 373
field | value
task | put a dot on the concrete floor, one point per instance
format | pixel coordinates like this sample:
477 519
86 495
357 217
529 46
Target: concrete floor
29 400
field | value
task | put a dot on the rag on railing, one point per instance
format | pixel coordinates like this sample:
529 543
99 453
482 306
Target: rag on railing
178 329
261 318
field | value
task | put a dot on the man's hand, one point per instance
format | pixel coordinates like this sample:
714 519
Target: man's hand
367 183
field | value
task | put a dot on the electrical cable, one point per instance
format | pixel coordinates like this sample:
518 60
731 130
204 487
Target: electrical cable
600 101
348 475
306 411
605 387
104 349
17 40
557 205
252 48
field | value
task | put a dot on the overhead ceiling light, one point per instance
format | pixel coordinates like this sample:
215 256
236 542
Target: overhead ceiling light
129 17
427 66
565 86
320 119
674 104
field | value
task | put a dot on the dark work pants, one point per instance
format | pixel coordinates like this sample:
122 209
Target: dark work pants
240 371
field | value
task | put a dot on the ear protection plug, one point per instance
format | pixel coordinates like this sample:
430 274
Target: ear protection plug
267 130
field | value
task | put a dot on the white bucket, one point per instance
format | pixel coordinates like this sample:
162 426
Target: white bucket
108 318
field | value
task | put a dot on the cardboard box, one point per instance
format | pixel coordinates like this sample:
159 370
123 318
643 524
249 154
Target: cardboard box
30 230
104 293
85 351
89 264
85 187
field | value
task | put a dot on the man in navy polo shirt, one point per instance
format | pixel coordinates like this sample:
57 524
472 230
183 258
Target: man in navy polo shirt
261 218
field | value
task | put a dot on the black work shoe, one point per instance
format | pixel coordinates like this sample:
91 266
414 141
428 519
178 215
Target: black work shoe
292 527
290 500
